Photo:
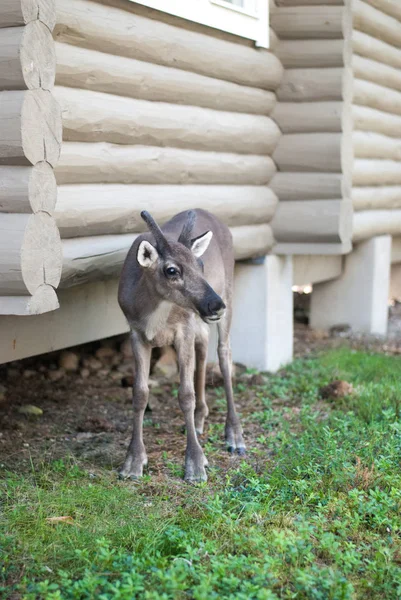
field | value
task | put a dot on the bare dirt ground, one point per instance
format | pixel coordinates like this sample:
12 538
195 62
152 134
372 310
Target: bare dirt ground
86 411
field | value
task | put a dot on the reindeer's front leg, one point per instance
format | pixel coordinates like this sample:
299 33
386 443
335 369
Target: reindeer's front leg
136 457
195 460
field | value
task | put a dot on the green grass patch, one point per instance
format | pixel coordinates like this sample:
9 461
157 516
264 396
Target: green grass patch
314 515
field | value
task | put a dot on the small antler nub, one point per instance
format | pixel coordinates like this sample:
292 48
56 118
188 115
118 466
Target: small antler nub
186 233
161 242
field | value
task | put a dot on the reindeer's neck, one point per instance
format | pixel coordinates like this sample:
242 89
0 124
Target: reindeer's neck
156 322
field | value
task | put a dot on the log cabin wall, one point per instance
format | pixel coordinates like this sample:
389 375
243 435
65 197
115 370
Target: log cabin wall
376 61
30 138
158 114
314 156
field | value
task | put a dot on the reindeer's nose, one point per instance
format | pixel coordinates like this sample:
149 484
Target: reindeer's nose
215 307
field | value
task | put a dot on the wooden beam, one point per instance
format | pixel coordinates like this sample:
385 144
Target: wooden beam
370 119
376 197
370 223
110 209
314 85
27 57
252 241
309 152
289 249
97 117
368 144
308 117
30 125
376 23
370 47
310 2
30 253
390 7
27 189
44 300
94 258
92 70
295 54
115 31
368 171
113 163
20 12
310 186
377 96
377 72
320 222
308 22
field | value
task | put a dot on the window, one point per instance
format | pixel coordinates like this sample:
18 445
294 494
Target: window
246 18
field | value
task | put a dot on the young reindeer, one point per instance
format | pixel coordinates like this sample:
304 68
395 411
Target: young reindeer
168 295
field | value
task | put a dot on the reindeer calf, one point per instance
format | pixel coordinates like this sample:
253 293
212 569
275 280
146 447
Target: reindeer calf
168 295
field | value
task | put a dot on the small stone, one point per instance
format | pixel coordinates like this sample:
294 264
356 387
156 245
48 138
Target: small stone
116 359
103 373
3 391
13 373
336 389
84 373
341 330
320 334
30 409
167 366
69 361
126 348
214 377
258 379
84 436
116 376
28 374
93 364
56 375
105 353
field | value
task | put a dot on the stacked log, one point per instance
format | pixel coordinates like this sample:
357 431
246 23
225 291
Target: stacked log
30 140
161 117
376 192
314 111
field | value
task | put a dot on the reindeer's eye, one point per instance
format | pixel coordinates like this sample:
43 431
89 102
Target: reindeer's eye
171 272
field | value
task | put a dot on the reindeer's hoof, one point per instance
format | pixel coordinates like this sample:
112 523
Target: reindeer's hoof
132 468
240 450
195 471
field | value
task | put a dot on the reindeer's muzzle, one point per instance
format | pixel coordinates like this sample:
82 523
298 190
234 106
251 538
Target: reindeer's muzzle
212 308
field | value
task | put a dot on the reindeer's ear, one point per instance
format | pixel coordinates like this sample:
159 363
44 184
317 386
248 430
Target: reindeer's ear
147 254
200 244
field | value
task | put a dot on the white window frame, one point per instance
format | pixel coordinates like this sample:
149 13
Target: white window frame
251 22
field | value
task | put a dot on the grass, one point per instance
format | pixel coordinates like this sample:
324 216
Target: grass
313 513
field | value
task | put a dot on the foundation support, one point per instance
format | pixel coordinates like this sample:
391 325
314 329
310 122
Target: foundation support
262 328
359 297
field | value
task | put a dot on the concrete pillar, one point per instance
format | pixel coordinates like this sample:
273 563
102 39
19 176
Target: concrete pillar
262 328
359 297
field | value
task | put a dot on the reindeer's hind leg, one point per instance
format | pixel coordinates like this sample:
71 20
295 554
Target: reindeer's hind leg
233 430
201 409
